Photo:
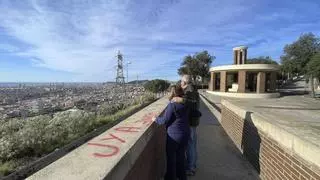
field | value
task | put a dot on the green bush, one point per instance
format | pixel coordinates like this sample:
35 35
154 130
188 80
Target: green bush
157 85
42 134
7 167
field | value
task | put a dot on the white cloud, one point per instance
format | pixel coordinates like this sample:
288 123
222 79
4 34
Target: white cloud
69 42
83 36
8 48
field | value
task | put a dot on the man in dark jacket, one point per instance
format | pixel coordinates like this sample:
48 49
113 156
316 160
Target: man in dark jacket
191 100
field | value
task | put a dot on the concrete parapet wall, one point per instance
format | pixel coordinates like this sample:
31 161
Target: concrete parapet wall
245 95
133 149
151 161
275 152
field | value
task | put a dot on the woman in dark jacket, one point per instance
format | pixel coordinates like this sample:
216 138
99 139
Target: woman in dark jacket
176 120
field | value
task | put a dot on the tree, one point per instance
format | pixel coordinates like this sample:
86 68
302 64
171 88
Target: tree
313 70
157 85
297 55
196 65
261 60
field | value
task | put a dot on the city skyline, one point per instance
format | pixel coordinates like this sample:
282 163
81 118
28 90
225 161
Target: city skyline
77 41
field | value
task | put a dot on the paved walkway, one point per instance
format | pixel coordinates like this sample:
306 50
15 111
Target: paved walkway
218 157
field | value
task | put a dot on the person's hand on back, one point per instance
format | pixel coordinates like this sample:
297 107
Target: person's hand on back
154 118
177 100
156 114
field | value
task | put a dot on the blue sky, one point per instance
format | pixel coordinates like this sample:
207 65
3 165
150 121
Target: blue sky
77 40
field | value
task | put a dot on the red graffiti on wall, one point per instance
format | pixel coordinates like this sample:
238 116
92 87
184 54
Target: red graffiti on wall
113 137
147 119
128 129
115 149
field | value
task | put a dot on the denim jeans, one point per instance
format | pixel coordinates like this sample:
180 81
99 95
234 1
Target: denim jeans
192 149
175 159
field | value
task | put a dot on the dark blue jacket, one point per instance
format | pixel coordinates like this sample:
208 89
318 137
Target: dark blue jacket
175 118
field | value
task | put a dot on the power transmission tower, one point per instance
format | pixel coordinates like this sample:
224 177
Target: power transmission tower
120 77
137 80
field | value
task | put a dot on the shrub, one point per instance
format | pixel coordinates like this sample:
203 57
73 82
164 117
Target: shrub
157 85
6 168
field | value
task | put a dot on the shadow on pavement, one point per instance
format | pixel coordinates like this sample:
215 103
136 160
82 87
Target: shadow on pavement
251 141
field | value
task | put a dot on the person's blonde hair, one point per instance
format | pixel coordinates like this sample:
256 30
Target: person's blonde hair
175 91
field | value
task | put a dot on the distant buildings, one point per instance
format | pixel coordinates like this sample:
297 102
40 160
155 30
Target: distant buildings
27 101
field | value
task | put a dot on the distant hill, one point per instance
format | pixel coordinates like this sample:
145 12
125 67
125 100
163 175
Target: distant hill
109 82
138 82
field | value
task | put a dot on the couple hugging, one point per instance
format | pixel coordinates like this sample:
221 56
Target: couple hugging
181 117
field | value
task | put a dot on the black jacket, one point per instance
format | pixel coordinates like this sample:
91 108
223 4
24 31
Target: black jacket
192 100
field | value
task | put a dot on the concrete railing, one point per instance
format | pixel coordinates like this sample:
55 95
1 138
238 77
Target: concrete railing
278 147
133 149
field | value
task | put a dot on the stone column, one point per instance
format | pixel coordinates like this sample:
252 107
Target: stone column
223 81
244 53
245 56
241 81
234 57
238 57
261 82
273 79
212 84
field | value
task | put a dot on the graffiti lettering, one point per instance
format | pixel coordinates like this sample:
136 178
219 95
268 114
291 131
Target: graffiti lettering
115 150
127 129
113 137
145 121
